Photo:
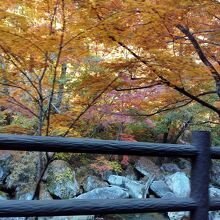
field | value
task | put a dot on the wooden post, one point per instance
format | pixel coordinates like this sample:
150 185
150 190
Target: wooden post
200 174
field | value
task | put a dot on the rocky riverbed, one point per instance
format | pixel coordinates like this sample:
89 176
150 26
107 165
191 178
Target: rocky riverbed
145 178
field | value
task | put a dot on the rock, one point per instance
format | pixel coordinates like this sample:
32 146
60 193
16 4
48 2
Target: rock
113 192
178 215
23 194
24 175
13 218
106 174
214 215
183 164
82 173
145 216
117 180
215 173
147 168
214 192
4 196
82 217
161 189
44 194
5 160
93 182
131 173
170 168
61 181
179 184
136 189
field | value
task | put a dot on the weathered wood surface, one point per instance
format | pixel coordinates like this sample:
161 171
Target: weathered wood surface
215 152
200 174
214 204
92 207
198 204
77 145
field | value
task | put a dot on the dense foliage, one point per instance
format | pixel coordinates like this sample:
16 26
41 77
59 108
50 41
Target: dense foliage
96 68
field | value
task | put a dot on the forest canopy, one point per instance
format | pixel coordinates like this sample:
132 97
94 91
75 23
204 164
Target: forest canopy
105 68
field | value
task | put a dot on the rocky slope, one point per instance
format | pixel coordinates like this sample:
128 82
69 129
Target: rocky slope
144 179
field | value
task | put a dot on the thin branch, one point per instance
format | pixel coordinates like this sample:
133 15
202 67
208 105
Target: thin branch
56 66
89 106
21 71
137 88
16 102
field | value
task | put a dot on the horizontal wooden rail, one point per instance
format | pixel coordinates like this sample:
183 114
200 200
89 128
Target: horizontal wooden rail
214 204
16 208
81 145
198 205
215 152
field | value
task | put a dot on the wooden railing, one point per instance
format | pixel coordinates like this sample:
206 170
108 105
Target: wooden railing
198 204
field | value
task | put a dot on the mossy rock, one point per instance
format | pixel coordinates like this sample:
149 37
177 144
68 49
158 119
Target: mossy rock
61 181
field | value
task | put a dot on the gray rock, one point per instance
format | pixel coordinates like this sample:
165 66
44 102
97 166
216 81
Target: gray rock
136 189
61 181
145 216
117 180
170 168
24 175
4 196
106 174
214 192
23 194
5 160
179 184
214 215
44 194
93 182
13 218
178 215
113 192
161 189
131 173
147 168
184 164
83 217
215 173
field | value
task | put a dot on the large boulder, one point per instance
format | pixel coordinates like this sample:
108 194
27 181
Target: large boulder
117 180
161 189
93 182
136 189
148 168
113 192
61 181
24 175
179 184
5 160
